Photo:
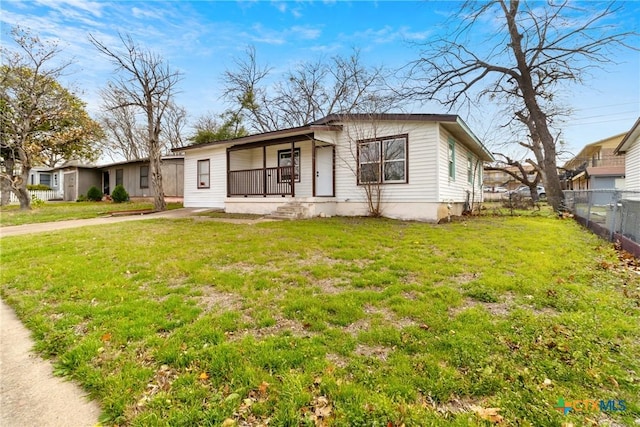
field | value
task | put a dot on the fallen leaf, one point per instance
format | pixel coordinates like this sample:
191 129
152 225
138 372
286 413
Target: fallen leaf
204 376
489 414
106 337
262 389
229 422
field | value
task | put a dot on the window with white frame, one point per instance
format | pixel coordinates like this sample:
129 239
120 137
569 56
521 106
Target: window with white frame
452 159
45 179
469 169
284 165
203 173
383 160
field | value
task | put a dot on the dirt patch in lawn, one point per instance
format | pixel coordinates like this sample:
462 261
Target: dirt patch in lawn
502 308
454 406
282 326
337 360
330 286
211 299
387 316
377 351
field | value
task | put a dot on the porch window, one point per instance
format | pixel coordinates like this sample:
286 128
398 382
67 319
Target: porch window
203 173
119 176
284 161
144 176
382 161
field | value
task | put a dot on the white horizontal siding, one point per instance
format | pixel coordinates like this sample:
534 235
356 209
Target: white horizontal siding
421 168
212 197
632 166
455 189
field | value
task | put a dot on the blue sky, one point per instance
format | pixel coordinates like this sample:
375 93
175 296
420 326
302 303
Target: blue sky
202 39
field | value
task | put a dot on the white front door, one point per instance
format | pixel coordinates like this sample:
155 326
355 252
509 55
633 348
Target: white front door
324 171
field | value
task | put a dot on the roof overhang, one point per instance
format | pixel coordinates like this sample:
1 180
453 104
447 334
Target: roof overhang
580 175
284 136
629 138
451 122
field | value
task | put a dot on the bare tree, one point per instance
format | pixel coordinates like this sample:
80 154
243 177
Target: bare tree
146 82
535 49
125 136
340 85
517 170
373 156
173 126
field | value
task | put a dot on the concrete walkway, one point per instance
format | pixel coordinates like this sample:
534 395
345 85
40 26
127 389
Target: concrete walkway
29 393
16 230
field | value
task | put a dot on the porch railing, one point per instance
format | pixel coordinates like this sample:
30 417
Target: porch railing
261 182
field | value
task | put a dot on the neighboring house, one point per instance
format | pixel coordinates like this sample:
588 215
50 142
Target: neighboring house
500 178
76 178
43 175
596 167
630 148
426 166
135 177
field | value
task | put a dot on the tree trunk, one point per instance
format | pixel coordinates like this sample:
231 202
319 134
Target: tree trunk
155 169
5 181
536 120
20 189
159 203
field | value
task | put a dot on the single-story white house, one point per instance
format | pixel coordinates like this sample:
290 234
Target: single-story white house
630 146
425 166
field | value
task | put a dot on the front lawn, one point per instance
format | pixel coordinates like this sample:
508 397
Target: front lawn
61 211
335 321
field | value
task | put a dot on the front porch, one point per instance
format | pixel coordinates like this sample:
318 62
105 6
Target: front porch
295 167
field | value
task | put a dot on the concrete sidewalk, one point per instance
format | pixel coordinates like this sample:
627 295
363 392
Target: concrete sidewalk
29 393
16 230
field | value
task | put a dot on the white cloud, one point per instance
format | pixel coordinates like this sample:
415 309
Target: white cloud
68 6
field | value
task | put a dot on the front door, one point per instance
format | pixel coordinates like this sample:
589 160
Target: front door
324 171
70 186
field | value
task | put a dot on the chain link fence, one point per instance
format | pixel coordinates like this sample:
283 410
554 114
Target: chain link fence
612 214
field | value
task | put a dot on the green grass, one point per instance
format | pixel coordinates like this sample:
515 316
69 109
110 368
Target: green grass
60 211
224 215
337 321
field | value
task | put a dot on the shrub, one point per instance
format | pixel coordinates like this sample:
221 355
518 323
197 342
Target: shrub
81 198
119 194
36 202
94 194
38 187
